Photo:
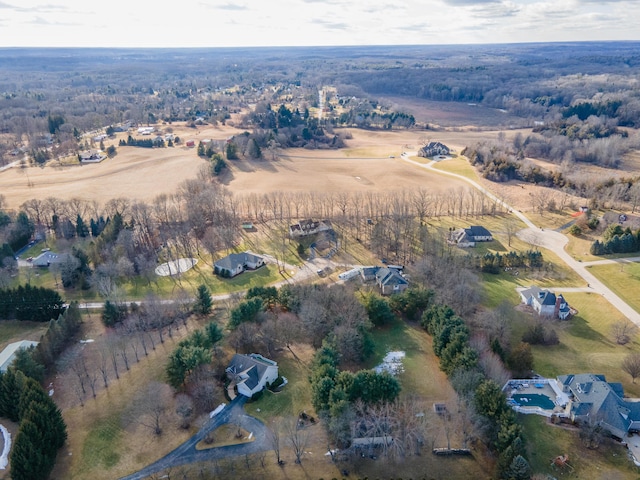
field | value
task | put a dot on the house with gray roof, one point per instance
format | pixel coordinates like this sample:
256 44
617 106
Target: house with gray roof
468 237
390 281
545 302
236 263
251 373
593 399
92 156
309 227
8 355
46 259
432 149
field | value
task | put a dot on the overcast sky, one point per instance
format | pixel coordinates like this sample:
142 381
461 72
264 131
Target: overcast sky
217 23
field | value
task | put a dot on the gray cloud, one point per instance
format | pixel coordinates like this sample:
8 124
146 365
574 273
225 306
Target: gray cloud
232 6
469 3
386 6
331 25
43 21
328 2
495 11
49 7
416 27
225 6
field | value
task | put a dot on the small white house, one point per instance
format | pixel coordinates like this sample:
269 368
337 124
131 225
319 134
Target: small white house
251 373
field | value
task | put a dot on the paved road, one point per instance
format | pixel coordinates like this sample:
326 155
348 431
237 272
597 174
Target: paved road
552 240
187 453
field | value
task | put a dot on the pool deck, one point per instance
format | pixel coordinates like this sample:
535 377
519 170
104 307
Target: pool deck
528 387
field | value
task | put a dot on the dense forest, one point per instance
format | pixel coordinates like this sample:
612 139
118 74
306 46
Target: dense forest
51 97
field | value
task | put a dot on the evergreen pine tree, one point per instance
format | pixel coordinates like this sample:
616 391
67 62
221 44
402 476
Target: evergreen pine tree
519 469
203 301
28 461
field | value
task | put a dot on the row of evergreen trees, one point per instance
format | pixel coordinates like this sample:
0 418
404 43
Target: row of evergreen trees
494 262
26 302
617 240
42 430
142 142
458 359
59 335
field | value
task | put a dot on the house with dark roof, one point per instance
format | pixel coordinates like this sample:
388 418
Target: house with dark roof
236 263
251 373
468 237
309 227
390 280
593 399
46 259
92 156
432 149
545 302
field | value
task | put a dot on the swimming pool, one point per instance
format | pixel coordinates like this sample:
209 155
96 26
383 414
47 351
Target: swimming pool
533 400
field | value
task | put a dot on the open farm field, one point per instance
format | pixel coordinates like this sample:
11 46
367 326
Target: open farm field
135 173
454 114
142 174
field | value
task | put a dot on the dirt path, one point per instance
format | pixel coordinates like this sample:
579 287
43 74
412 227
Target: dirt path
554 241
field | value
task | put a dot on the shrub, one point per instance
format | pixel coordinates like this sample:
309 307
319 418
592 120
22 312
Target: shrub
575 230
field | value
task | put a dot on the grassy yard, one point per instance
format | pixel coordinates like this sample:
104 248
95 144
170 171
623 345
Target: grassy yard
546 441
578 247
458 165
586 346
623 279
422 375
14 331
295 397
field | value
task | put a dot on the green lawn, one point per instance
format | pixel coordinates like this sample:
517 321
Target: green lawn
294 397
623 279
586 343
101 447
14 331
545 442
459 165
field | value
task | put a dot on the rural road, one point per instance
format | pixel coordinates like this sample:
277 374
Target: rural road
551 240
187 452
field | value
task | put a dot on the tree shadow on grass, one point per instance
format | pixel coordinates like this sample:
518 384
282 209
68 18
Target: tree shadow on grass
580 328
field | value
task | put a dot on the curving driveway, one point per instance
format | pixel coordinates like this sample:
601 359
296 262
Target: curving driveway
551 240
187 453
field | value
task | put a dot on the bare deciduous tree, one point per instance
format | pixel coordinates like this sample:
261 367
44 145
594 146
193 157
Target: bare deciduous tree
297 436
274 439
631 365
623 331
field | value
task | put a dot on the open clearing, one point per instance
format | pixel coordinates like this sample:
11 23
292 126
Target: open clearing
142 174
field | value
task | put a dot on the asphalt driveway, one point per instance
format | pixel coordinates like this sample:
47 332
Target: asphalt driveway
187 453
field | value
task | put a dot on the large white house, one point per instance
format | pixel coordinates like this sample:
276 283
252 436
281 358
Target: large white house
545 302
251 373
309 227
